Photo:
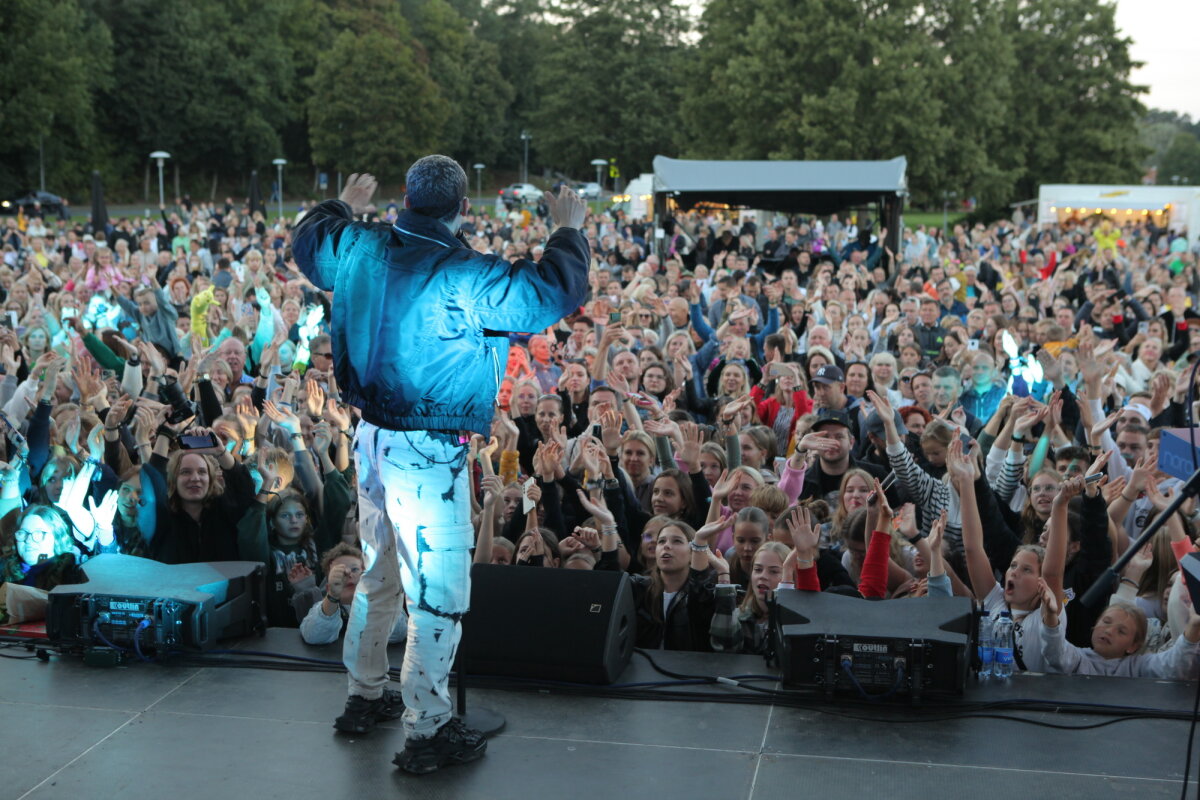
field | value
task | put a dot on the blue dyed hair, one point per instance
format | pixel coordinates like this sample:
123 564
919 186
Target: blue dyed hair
436 186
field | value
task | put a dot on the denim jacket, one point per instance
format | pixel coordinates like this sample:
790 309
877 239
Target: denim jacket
419 319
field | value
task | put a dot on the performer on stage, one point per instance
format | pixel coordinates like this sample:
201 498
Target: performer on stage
419 327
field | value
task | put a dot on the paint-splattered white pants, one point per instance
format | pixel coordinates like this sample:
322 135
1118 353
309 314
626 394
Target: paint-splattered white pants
415 527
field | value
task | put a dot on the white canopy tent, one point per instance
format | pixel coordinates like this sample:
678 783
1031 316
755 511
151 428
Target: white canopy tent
1176 208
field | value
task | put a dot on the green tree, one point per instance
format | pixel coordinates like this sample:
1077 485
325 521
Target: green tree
54 58
608 87
207 80
374 105
465 70
1075 108
977 67
818 79
1181 159
517 37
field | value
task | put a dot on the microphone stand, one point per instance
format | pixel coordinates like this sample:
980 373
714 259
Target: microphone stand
1099 591
484 720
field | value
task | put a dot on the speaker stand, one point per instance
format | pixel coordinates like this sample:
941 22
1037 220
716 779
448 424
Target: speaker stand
484 720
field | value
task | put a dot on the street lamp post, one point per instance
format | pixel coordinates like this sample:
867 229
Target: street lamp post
160 156
279 165
599 164
479 182
525 137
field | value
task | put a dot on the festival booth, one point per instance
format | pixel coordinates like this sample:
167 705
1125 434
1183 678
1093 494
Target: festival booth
1176 208
809 187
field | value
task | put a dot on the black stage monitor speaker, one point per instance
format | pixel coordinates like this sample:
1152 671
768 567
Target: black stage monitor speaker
1191 574
880 648
556 624
140 604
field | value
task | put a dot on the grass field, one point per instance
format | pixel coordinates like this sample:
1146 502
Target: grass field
929 218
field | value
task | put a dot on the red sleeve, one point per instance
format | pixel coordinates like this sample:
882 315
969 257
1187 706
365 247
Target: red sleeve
1051 262
802 404
873 580
807 579
1182 548
766 410
756 393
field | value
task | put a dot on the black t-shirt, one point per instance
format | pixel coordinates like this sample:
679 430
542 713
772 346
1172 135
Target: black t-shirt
819 485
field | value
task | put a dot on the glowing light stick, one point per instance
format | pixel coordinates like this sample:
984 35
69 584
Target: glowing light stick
1027 368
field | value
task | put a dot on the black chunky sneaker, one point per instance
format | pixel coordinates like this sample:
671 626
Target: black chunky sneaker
362 714
454 743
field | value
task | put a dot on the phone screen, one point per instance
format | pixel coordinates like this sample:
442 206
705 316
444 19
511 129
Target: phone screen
198 442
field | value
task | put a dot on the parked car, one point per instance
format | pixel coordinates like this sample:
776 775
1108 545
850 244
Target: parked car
51 204
521 193
588 191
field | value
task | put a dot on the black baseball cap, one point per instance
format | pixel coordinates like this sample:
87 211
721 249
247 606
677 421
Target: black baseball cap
829 373
829 415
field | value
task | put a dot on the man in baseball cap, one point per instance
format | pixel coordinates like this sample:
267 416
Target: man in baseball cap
832 439
828 390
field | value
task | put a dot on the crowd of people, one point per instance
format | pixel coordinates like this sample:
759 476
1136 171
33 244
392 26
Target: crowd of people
746 403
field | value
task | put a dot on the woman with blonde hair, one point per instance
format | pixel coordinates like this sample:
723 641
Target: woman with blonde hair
750 634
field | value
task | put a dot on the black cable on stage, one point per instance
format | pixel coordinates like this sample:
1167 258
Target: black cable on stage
938 711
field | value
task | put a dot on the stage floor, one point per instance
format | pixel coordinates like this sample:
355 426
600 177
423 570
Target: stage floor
183 733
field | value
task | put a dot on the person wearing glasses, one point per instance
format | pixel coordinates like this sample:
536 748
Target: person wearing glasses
320 357
40 553
324 610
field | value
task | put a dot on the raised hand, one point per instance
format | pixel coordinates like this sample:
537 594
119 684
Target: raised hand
711 529
335 415
95 443
1051 368
322 436
358 191
492 487
485 455
723 487
818 441
314 398
610 430
1068 490
884 521
689 451
71 501
588 537
618 383
299 573
936 532
805 537
1142 474
958 464
1100 427
567 208
1112 490
271 481
283 418
1159 499
1050 605
596 507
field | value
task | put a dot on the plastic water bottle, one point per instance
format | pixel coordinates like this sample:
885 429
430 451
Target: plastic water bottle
1002 644
986 653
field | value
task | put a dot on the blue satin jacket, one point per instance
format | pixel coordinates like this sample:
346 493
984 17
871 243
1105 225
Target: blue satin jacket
419 319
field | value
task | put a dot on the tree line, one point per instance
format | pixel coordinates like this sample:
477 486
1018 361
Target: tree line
986 98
